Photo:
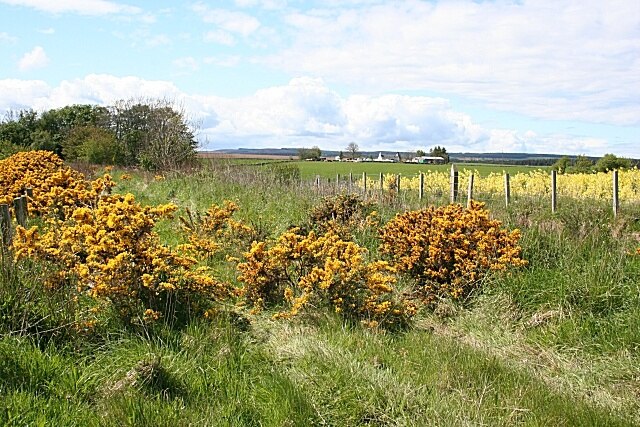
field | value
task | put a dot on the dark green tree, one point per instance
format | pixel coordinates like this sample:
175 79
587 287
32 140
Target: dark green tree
313 153
582 164
561 164
438 151
610 162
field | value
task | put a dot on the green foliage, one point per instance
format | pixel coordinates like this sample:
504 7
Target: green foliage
7 149
610 162
561 164
582 164
93 145
152 134
554 343
313 153
284 173
438 151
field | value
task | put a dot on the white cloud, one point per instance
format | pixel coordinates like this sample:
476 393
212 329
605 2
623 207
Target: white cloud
187 63
234 22
264 4
222 61
306 112
158 40
7 38
219 37
552 59
36 58
82 7
47 31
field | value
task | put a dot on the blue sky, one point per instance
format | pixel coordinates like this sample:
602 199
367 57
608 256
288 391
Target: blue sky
559 76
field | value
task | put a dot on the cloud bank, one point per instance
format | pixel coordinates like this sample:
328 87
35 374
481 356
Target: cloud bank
303 113
549 59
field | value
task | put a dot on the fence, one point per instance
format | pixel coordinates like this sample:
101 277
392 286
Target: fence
21 212
367 185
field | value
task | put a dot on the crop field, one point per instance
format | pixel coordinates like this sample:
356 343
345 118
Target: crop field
238 294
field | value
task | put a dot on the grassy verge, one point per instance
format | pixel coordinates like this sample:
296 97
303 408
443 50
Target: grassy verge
553 344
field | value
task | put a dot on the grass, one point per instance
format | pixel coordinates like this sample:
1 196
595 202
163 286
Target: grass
309 170
553 344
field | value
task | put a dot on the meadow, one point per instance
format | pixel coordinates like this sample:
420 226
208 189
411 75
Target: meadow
309 169
552 342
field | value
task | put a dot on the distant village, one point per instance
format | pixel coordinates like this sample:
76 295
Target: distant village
397 158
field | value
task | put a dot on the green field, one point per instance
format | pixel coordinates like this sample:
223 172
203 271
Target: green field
309 170
553 344
331 169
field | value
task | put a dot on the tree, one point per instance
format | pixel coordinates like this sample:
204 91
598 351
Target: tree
153 134
439 152
170 141
420 153
92 144
610 162
561 164
582 164
352 149
312 153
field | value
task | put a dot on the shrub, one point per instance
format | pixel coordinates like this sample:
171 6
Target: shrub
299 271
449 249
344 213
216 228
111 252
56 187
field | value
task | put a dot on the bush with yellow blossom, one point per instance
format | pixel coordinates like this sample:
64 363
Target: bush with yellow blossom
345 214
56 187
209 232
300 270
449 249
111 252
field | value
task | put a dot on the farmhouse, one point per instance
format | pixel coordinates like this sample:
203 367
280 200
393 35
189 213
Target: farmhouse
428 160
382 158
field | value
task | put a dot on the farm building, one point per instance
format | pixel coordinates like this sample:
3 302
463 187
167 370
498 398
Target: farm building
428 160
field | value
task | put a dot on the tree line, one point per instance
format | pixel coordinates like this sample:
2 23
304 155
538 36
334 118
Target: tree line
152 134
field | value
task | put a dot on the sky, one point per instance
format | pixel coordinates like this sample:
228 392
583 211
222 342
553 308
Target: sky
536 76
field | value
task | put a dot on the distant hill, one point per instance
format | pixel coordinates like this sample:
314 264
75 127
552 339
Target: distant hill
533 159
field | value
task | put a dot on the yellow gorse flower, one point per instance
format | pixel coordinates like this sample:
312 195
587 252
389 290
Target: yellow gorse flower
449 249
299 270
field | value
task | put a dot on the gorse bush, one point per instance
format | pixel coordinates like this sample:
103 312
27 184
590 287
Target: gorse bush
448 250
301 271
57 188
344 214
111 252
215 231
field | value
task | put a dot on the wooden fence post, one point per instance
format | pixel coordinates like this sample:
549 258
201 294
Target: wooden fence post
24 200
381 182
454 184
18 208
616 201
350 181
5 225
554 193
318 181
470 191
398 184
364 183
421 188
507 190
337 182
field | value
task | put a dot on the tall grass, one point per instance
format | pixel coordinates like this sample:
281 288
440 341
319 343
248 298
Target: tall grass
553 344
